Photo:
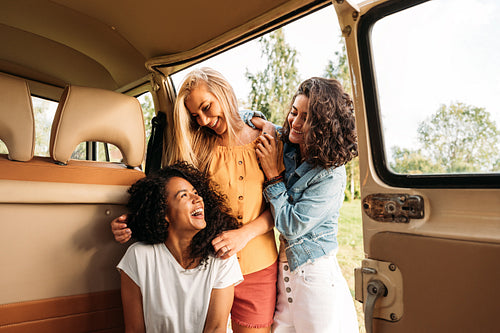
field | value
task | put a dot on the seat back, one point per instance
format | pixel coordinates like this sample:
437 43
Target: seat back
17 123
91 114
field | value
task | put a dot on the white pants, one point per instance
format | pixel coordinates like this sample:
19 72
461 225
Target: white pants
314 298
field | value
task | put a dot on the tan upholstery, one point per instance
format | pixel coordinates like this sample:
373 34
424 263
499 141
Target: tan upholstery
17 124
90 114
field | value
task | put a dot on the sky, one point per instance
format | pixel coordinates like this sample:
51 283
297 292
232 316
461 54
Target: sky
315 37
440 52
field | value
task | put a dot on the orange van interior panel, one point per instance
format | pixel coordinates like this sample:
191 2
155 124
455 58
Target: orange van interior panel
43 169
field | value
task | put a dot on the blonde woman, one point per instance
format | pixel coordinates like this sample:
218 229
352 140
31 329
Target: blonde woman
208 132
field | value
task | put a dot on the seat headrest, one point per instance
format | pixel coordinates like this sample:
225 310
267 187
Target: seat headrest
17 124
91 114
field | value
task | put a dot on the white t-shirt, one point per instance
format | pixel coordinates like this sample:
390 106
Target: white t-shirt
176 299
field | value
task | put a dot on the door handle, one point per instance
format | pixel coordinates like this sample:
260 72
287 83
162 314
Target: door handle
375 289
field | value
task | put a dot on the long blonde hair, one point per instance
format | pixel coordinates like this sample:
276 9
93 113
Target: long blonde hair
185 139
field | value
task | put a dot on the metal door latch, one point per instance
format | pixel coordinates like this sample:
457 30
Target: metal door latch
393 207
379 286
374 290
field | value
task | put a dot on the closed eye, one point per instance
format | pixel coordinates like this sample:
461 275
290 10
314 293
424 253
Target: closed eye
206 107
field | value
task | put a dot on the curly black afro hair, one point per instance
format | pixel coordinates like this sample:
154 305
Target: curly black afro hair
147 209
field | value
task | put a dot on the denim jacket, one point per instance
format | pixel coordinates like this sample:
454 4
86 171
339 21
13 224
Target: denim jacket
247 115
306 207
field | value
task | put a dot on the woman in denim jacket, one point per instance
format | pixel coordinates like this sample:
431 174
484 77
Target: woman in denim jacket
319 138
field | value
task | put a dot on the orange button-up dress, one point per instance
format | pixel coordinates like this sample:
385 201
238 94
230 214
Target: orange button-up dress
236 170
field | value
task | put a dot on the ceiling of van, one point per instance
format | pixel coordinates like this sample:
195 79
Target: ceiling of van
106 43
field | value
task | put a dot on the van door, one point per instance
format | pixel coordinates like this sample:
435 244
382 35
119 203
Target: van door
425 82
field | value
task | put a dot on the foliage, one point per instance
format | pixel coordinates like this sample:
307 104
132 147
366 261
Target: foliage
353 186
80 152
43 112
340 70
458 138
272 89
413 162
148 110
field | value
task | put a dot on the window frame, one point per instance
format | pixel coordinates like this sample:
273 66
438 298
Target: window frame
373 115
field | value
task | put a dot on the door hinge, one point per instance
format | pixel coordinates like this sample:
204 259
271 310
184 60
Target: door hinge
379 286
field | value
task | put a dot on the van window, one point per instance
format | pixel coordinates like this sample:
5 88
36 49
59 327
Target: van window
3 148
437 87
44 111
148 109
265 72
273 65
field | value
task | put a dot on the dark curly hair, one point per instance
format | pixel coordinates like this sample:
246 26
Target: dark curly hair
147 209
331 139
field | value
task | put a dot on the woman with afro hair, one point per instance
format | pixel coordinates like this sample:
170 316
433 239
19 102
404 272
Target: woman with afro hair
171 280
319 139
208 131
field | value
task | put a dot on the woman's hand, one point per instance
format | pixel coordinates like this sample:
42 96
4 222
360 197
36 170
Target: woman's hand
119 228
264 125
267 153
230 242
269 128
258 122
233 241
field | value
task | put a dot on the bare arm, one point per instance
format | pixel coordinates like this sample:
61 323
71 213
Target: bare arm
132 305
235 240
119 229
221 301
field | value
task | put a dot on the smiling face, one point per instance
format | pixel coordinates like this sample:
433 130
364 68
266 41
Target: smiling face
297 120
205 108
185 208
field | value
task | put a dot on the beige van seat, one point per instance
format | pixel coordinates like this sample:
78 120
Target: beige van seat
90 114
17 124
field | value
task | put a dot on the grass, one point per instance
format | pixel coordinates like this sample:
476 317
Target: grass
350 252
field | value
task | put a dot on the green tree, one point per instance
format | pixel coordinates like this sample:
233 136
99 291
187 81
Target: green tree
353 186
272 89
412 162
340 70
461 138
148 110
43 112
458 138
